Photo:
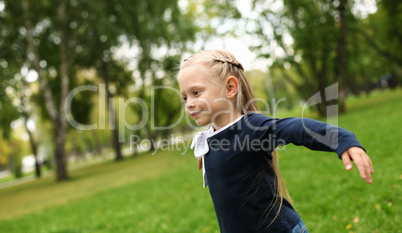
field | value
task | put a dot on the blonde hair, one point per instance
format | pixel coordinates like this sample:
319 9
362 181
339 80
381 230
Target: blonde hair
222 64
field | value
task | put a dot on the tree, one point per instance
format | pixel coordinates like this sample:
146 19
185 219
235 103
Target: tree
57 44
26 112
341 65
55 111
8 114
144 25
9 66
311 38
382 36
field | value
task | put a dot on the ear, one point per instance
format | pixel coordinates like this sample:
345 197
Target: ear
232 86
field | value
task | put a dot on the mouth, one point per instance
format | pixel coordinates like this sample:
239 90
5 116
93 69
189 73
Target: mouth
195 114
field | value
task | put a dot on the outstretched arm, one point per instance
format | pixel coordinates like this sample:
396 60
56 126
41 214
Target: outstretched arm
343 142
362 161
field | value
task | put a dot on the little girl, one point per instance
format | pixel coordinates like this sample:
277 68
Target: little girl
237 152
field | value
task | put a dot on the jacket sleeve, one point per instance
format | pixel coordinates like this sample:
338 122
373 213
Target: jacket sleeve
313 134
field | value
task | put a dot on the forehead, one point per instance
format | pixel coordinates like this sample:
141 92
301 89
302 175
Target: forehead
192 75
192 72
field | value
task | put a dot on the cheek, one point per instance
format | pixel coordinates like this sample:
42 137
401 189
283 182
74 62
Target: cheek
219 103
187 111
205 104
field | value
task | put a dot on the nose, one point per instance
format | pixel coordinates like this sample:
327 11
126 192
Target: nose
190 104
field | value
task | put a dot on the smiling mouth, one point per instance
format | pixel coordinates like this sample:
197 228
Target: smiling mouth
195 114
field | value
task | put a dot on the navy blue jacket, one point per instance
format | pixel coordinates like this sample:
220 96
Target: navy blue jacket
240 178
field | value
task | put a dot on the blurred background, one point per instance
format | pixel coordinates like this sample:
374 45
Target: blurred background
70 63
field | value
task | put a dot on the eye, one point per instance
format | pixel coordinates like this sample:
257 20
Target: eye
184 99
196 93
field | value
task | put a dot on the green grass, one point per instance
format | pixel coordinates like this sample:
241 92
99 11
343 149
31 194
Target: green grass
330 199
163 193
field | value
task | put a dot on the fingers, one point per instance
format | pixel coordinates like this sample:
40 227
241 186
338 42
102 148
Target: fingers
362 161
368 167
199 164
370 164
346 160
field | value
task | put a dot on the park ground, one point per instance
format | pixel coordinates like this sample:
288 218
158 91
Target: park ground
163 192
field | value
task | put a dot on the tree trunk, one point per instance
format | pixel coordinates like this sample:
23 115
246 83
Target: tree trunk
322 106
341 63
34 147
61 162
61 122
47 94
112 114
115 131
32 141
57 117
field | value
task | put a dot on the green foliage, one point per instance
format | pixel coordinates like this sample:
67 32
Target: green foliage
17 169
163 193
274 90
8 68
378 42
301 36
303 41
15 154
8 114
71 36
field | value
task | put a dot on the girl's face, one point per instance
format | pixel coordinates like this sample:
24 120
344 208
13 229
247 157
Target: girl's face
205 100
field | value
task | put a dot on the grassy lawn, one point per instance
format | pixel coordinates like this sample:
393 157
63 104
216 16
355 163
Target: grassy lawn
163 193
330 199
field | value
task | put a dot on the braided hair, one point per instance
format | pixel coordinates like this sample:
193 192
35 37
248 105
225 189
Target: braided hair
232 62
223 64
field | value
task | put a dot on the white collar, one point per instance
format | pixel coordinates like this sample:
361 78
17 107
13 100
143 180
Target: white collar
200 143
223 128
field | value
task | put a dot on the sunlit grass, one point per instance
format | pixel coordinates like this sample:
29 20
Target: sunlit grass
163 193
43 193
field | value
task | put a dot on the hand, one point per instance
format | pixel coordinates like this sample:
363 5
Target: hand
199 164
362 161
